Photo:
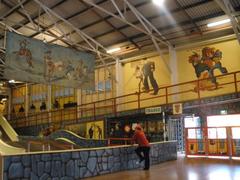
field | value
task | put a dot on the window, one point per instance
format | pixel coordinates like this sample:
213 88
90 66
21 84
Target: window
217 133
236 133
100 86
108 85
223 120
192 122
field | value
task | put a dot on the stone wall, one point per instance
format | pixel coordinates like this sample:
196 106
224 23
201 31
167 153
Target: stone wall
73 165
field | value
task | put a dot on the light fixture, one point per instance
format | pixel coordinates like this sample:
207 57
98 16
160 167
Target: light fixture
113 50
217 23
158 2
4 99
12 81
223 112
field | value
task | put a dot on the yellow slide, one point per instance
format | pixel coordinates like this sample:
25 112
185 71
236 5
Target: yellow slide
7 149
13 136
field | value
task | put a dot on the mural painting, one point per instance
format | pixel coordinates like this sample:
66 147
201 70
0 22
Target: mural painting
145 73
95 130
31 60
205 65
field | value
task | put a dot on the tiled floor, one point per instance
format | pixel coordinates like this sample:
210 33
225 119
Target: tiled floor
182 169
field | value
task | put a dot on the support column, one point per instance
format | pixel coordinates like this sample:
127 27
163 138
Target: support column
174 74
26 100
9 103
79 102
49 102
119 82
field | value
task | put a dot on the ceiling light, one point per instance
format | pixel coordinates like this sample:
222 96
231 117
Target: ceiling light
113 50
158 2
11 81
4 99
218 23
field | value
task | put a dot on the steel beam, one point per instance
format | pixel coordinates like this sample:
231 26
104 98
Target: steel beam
150 29
94 45
227 7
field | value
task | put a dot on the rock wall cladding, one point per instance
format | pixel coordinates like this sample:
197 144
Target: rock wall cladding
83 163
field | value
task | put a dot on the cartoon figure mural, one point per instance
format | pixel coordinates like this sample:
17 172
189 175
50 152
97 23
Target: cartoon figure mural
148 69
31 60
50 66
145 74
204 67
24 52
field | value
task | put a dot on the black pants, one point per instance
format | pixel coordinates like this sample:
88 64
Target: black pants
145 156
152 81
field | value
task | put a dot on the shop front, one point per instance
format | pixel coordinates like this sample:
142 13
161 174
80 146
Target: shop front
219 137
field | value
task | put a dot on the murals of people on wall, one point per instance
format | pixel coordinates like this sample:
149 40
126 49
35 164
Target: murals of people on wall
25 52
90 131
32 60
51 67
95 130
99 131
205 66
148 69
145 74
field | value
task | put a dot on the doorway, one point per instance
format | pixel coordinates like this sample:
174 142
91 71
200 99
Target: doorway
219 137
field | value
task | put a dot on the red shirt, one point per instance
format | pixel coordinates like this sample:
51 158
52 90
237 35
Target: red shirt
140 138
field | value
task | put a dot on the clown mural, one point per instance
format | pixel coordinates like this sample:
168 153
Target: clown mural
205 65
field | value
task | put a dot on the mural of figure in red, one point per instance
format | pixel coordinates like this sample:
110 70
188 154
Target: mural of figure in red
51 66
25 52
205 66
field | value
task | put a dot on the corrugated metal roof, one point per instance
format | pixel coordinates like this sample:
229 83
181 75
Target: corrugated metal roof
235 3
207 9
176 19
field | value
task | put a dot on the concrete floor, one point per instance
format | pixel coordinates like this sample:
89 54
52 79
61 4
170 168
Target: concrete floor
182 169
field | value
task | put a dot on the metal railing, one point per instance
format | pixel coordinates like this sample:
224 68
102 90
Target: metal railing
46 146
181 92
119 141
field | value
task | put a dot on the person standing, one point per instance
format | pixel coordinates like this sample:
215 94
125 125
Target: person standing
56 104
143 148
43 106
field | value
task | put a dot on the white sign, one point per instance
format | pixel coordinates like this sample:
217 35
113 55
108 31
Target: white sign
153 110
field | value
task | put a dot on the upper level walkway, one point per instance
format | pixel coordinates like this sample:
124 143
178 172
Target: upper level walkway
183 92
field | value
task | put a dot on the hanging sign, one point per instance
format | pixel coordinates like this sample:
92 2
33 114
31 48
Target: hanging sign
153 110
31 60
177 108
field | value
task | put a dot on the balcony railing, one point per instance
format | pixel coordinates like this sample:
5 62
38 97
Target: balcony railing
192 90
